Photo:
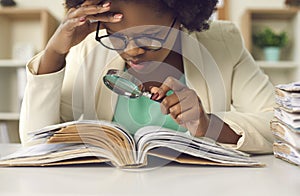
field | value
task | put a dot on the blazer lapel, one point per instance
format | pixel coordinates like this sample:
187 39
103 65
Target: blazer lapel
107 99
203 74
194 68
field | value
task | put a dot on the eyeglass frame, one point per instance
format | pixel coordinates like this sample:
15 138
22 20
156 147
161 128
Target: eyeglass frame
127 40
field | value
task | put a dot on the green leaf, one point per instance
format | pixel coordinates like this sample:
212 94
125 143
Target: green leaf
268 38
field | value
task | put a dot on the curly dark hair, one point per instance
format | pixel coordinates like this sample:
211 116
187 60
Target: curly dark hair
193 14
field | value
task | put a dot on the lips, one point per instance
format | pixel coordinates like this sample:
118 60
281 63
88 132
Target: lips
136 65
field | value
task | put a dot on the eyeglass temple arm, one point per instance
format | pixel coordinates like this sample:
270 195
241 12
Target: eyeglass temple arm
98 27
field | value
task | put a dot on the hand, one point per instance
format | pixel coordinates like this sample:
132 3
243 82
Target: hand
184 106
76 25
74 28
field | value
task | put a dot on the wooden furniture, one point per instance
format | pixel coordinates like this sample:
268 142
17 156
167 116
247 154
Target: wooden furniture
223 10
254 19
285 19
19 25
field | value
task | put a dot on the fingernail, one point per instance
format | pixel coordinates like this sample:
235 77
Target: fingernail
106 4
155 96
160 97
82 19
118 16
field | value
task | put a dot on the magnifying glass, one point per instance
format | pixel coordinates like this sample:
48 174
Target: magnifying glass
125 84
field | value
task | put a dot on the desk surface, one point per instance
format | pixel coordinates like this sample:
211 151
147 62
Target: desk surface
277 178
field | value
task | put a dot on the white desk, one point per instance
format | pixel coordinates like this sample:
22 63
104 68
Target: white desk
277 178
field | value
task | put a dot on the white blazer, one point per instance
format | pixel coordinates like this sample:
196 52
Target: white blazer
216 65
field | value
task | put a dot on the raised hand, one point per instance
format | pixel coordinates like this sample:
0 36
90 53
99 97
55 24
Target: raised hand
74 29
184 106
76 25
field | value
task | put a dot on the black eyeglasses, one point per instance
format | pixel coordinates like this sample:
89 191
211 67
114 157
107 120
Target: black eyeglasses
118 42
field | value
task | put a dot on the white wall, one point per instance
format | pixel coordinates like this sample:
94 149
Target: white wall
238 7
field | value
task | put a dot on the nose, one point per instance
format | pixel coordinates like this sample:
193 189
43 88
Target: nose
133 50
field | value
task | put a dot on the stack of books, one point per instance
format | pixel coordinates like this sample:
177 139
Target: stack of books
286 123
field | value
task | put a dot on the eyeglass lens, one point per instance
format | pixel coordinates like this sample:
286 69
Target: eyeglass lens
119 43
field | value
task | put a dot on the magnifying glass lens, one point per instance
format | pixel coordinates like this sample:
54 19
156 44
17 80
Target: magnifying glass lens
122 86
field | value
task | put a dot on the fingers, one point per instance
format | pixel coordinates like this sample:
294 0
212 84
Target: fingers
183 106
71 23
105 17
171 101
89 11
84 11
169 84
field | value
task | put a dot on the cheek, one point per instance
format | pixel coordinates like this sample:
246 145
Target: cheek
160 55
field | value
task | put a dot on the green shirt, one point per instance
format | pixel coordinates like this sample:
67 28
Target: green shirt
133 114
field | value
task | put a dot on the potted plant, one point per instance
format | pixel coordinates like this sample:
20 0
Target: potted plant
271 42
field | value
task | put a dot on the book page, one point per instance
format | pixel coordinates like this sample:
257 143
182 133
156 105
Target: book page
286 133
293 119
289 101
79 138
291 87
200 153
286 152
53 154
153 137
101 135
41 149
148 133
173 155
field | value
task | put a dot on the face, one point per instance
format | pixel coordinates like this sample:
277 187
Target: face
139 19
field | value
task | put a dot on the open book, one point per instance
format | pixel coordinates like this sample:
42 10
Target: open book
80 142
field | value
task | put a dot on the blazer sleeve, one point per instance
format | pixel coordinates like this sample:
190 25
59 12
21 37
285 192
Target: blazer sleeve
42 98
253 101
40 106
